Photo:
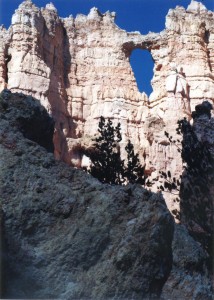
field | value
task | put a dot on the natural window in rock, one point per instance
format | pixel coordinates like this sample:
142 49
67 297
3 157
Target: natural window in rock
142 65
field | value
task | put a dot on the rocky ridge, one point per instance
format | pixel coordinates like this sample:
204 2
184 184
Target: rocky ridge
66 236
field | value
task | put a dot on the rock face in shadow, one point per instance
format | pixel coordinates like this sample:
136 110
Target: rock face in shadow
68 236
32 120
192 271
197 182
189 278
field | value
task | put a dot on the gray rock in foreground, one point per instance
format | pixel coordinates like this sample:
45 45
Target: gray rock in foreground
68 236
64 235
189 278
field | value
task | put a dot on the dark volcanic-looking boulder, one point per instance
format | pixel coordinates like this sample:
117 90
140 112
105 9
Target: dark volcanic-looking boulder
68 236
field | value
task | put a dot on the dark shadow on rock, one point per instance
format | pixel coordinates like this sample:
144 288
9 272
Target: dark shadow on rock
56 56
192 246
2 257
189 278
30 117
197 182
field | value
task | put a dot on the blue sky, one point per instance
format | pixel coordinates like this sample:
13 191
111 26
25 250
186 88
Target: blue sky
132 15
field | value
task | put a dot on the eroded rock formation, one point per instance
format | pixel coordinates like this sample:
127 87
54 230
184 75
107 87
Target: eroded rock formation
79 69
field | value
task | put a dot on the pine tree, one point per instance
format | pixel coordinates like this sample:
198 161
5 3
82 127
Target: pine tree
106 164
134 172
